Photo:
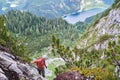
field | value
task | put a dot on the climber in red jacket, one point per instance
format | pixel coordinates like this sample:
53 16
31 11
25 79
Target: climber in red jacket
40 62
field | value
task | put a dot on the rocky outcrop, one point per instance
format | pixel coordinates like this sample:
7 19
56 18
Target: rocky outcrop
2 75
13 69
107 25
71 76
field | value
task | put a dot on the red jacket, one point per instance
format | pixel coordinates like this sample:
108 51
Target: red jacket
40 63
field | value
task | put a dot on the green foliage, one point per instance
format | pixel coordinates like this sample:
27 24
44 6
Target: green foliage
60 69
26 23
98 73
116 4
38 30
15 46
81 26
105 37
113 51
90 58
3 33
61 50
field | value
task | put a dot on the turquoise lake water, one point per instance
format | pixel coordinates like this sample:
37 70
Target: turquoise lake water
81 16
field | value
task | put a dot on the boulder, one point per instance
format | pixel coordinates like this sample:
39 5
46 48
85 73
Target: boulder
73 75
13 69
2 75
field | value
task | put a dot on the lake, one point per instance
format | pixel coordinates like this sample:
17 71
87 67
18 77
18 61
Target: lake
108 2
81 16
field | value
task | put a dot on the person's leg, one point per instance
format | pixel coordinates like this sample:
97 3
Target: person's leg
43 72
40 71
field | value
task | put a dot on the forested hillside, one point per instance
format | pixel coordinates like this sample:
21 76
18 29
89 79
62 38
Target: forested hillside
26 23
37 31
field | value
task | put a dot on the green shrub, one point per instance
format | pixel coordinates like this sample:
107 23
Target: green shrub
99 73
16 46
105 37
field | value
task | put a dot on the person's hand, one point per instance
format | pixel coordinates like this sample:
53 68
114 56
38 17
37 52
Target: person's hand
32 62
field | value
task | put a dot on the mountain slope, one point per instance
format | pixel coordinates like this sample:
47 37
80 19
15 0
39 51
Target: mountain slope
38 30
98 51
12 64
26 23
108 25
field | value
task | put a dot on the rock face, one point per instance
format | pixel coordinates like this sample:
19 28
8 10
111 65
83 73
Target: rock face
13 69
71 76
109 25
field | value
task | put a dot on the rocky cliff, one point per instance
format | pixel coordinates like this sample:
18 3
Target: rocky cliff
13 68
105 29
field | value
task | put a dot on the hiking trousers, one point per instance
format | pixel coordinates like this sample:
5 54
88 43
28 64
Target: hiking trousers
41 71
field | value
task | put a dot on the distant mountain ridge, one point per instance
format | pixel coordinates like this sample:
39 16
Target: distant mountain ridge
48 8
52 8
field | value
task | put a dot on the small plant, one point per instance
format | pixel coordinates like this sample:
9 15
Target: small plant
98 73
105 37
